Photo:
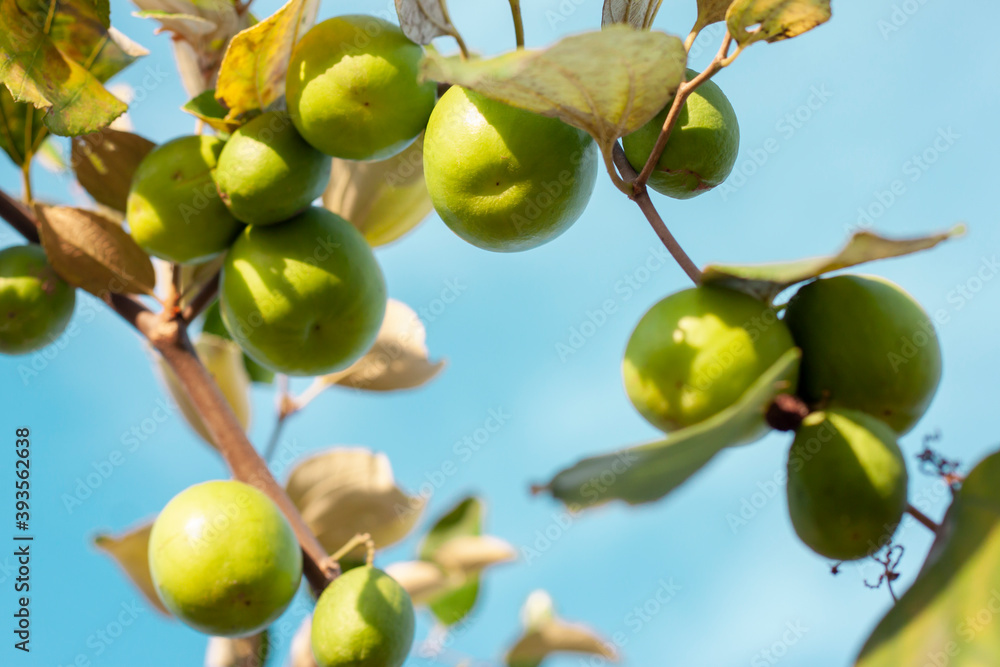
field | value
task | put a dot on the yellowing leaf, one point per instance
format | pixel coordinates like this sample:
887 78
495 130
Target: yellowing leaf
397 360
751 21
711 11
608 83
423 581
56 57
384 199
105 161
469 554
423 20
224 360
546 635
948 616
766 281
94 253
201 30
636 13
131 551
648 472
346 491
252 77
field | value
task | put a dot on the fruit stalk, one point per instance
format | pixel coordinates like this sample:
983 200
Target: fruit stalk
169 336
515 11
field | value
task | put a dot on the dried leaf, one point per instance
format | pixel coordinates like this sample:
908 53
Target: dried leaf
56 57
766 281
423 581
397 360
636 13
546 635
345 491
608 83
224 360
131 551
423 20
105 161
94 253
383 198
751 21
14 124
201 31
470 554
252 77
648 472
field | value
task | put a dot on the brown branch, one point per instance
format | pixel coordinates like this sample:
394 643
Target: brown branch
923 518
168 334
683 92
641 197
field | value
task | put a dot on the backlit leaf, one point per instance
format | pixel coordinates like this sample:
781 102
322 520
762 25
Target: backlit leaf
131 551
711 11
105 161
751 21
423 20
205 107
636 13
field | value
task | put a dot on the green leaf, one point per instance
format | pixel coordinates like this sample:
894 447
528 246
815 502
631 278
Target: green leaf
608 83
636 13
56 57
423 20
205 107
465 518
105 161
949 614
751 21
94 253
252 77
648 472
131 552
766 281
14 125
213 325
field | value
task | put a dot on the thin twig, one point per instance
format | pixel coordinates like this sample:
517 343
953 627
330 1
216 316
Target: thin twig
685 90
923 518
201 300
515 11
641 197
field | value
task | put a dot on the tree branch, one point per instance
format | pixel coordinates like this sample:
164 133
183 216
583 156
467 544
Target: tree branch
923 518
168 334
641 197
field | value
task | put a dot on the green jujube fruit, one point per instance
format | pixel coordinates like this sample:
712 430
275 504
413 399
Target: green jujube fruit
352 88
867 345
702 147
846 483
174 211
224 559
35 303
305 297
363 619
696 352
267 172
502 178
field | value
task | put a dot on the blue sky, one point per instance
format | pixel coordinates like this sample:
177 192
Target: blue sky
889 96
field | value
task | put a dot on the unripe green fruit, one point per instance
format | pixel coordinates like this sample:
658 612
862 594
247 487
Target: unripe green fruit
267 172
696 352
502 178
174 211
352 88
846 483
35 303
363 619
866 344
224 559
303 298
702 147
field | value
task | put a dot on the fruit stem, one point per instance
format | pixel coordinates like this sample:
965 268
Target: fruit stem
515 11
353 543
923 518
683 92
786 412
641 197
201 300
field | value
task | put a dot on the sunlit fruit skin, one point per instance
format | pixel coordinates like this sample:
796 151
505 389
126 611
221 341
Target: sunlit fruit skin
363 619
502 178
305 297
846 483
352 88
267 172
702 147
696 352
868 345
35 303
224 559
174 211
